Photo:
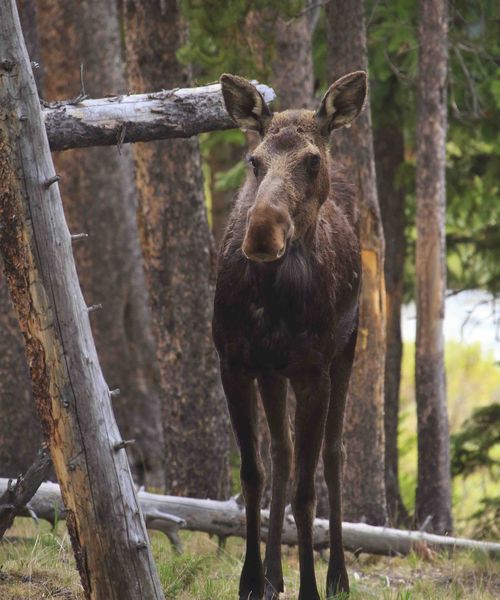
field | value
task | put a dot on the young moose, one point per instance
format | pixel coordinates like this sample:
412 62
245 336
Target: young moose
286 307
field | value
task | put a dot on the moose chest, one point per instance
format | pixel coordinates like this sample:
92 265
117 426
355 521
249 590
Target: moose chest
278 339
277 320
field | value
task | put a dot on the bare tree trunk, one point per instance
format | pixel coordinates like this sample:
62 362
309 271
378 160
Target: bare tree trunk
433 498
100 200
177 247
389 156
364 482
104 520
20 432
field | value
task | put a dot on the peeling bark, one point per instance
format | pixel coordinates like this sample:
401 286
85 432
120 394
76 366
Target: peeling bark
433 498
68 386
389 156
364 485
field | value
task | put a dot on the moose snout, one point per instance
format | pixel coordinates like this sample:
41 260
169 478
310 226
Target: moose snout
268 230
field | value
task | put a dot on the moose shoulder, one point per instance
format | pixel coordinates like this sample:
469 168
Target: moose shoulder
286 307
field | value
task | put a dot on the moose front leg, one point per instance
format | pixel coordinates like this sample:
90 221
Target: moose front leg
242 403
340 371
273 390
312 392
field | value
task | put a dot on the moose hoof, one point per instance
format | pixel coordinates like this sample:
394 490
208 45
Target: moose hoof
252 588
337 586
272 592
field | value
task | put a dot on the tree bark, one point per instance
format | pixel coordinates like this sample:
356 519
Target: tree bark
177 248
227 518
103 514
364 485
17 409
219 160
124 118
292 65
100 200
389 156
433 497
20 432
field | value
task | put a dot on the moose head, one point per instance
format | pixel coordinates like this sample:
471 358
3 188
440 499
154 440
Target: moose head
290 165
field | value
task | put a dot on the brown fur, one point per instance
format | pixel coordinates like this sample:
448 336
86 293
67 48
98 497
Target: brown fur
292 316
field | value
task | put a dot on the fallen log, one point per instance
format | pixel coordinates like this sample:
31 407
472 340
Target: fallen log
119 120
227 518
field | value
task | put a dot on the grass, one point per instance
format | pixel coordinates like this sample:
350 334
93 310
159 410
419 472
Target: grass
38 564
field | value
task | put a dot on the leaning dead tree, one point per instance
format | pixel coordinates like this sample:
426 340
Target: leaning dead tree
102 511
177 113
227 518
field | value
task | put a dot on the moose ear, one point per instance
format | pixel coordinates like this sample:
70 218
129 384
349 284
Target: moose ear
342 102
244 103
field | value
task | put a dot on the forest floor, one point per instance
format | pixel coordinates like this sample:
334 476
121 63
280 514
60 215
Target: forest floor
38 564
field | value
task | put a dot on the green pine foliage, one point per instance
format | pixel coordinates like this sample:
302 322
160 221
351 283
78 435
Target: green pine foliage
222 38
473 447
473 148
476 448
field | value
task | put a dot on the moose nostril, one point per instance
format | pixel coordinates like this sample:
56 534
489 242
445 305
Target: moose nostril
281 251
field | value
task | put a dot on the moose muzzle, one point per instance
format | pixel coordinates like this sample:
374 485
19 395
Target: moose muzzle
269 228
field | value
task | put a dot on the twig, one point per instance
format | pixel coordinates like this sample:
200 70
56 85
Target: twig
476 112
372 14
399 74
470 313
76 100
18 495
82 83
306 10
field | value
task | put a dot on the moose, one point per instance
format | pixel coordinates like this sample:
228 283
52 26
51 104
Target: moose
286 309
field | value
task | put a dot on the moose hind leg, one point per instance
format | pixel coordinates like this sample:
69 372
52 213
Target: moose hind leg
337 580
273 391
242 403
312 393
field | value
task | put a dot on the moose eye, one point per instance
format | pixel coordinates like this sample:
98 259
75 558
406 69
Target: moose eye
313 163
255 165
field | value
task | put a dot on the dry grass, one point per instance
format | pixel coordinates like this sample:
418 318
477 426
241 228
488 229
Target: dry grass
37 564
